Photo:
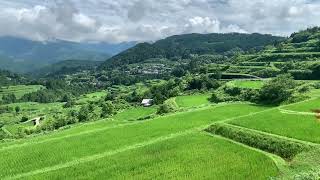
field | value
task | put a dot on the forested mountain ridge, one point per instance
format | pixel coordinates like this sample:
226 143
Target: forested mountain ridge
181 46
65 67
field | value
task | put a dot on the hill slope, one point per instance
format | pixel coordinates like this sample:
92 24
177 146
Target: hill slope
184 45
65 67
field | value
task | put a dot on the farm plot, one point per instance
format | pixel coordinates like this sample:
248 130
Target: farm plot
307 106
202 157
30 110
134 113
302 127
92 97
247 84
47 153
192 100
19 90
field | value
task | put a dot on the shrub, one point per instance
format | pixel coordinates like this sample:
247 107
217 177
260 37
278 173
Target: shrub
310 175
282 147
167 107
251 95
24 119
69 104
17 109
2 135
107 109
277 90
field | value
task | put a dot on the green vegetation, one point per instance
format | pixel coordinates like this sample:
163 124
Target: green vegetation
259 140
175 159
259 106
109 140
247 84
19 90
134 114
308 106
184 45
192 100
293 125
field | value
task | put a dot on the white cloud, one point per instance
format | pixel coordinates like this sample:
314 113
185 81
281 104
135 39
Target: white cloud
203 24
146 20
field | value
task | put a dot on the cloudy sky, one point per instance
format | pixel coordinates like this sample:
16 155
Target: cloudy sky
148 20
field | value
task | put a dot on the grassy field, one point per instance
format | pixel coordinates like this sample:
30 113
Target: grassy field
302 127
203 157
134 113
92 97
247 84
192 100
19 90
31 110
305 107
51 153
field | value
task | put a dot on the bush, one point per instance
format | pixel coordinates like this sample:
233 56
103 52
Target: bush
168 107
251 95
107 109
69 104
3 135
24 119
277 90
282 147
310 175
316 85
226 94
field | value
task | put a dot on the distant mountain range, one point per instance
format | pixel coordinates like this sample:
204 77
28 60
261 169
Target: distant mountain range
22 55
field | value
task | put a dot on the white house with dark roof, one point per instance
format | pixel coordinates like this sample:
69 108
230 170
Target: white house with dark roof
147 102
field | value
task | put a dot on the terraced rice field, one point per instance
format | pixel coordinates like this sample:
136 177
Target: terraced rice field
298 125
99 145
19 90
308 106
247 84
172 158
135 113
192 100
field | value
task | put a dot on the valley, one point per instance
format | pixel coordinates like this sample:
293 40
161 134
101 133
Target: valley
220 106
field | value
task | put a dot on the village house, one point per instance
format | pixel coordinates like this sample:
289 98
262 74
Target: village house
147 102
37 121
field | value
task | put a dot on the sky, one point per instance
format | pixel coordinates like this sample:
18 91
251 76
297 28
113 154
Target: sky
117 21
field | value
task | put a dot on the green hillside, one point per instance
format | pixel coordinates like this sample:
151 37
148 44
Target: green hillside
182 46
298 55
65 67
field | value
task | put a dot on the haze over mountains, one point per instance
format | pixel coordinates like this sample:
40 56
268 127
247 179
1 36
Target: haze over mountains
22 55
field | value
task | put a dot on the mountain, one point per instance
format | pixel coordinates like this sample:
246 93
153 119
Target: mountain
22 55
181 46
65 67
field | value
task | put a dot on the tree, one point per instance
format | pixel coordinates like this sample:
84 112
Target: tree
69 104
66 98
17 109
277 90
107 109
1 124
9 98
84 114
24 119
178 72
